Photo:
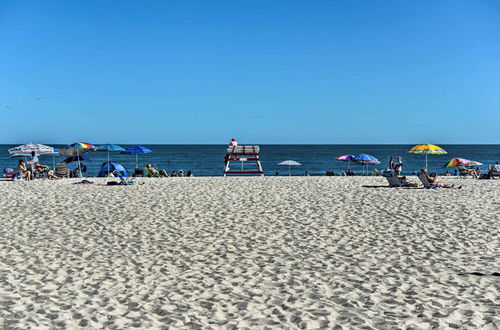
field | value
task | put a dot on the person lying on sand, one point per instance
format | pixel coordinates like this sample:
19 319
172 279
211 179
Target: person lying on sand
434 182
152 172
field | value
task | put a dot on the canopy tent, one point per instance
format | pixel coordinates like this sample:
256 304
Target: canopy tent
109 167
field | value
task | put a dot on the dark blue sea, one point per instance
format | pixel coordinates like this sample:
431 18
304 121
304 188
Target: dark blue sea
208 160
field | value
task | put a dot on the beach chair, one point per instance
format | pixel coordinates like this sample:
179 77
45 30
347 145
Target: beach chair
494 171
62 170
393 179
122 179
149 174
41 174
462 172
9 173
394 182
426 182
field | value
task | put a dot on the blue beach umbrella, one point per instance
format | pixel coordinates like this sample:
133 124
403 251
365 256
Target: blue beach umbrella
365 159
137 149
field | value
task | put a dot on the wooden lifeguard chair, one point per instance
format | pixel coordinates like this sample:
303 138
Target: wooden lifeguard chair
245 156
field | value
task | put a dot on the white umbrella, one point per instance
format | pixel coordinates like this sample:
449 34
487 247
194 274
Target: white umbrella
289 163
27 149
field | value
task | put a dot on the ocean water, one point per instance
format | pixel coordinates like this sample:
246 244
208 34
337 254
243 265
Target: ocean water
208 160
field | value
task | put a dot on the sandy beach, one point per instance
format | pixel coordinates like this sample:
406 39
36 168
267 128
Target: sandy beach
272 252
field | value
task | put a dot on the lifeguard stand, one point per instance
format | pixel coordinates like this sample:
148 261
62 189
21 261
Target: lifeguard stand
240 156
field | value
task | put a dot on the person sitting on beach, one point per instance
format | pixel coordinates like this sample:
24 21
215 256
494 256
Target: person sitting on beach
152 172
404 180
52 176
447 173
173 174
434 182
494 170
189 174
181 173
461 168
23 170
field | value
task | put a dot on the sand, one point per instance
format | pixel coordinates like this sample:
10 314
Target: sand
273 252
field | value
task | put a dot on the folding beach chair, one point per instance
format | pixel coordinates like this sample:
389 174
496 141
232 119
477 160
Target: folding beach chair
123 181
462 172
494 171
393 179
426 182
62 170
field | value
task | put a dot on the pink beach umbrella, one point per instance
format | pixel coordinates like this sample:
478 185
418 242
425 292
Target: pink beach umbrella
346 158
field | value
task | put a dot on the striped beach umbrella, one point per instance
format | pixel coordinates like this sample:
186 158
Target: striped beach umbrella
75 149
27 149
427 149
462 161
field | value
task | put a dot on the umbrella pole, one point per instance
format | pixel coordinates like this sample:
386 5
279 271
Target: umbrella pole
79 167
426 161
289 173
136 161
108 163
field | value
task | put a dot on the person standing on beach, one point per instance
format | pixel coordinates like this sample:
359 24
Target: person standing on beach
398 166
391 163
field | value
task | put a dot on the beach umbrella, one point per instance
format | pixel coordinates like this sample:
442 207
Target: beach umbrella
27 149
108 148
79 158
346 158
75 149
427 149
462 161
289 163
137 149
365 160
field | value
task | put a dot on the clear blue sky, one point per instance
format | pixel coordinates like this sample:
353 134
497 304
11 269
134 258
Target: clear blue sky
263 71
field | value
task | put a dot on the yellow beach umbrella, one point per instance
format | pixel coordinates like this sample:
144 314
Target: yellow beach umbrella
427 149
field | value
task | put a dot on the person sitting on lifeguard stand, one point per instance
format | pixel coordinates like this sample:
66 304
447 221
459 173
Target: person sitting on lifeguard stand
233 143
